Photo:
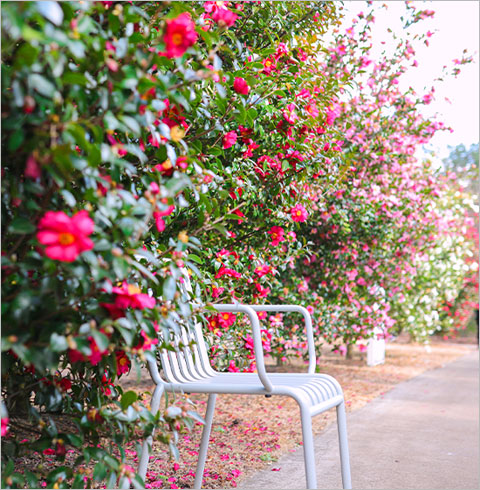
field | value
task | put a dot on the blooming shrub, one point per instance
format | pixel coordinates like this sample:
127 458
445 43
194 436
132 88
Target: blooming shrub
388 249
139 140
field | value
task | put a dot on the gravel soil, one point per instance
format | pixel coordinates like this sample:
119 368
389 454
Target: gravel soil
250 433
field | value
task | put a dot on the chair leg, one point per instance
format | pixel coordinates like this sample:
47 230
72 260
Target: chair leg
343 444
147 443
308 449
202 454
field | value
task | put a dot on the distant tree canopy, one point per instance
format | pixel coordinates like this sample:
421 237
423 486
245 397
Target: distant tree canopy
461 158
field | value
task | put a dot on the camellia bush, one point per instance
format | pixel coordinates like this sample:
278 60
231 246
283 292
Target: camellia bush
141 140
393 245
145 140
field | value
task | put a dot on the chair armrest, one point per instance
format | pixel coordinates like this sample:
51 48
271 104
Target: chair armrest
312 361
257 339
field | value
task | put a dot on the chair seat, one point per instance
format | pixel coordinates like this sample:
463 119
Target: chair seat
318 391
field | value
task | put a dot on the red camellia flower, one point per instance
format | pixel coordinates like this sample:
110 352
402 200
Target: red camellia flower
96 354
60 449
224 17
278 235
131 295
123 362
179 35
212 323
226 319
64 384
229 139
240 86
298 213
65 237
94 357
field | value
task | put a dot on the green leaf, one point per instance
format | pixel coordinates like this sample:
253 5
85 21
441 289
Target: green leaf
15 140
51 11
26 55
32 480
241 114
253 113
58 343
128 398
256 65
221 229
131 124
110 120
75 78
69 198
21 226
169 288
75 440
233 216
100 339
195 258
99 472
41 85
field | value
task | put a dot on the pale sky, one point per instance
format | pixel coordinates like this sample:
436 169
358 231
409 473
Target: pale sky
455 27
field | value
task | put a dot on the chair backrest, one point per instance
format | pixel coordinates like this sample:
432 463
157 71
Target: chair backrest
189 361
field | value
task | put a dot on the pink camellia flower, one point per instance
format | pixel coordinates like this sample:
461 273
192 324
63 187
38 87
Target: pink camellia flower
229 139
289 114
278 235
232 367
159 222
130 295
298 213
65 237
224 17
216 292
154 189
240 86
32 168
4 426
263 270
351 275
158 217
179 35
182 163
225 271
261 291
146 343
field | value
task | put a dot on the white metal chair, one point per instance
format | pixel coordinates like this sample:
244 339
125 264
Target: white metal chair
189 371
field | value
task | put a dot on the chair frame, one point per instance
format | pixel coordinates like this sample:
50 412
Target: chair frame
268 386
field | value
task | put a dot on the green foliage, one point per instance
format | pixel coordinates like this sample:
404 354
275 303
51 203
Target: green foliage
116 176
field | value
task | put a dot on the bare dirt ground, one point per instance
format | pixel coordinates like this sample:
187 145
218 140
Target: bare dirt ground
250 433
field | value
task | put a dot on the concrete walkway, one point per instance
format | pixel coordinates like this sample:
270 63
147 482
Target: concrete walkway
424 434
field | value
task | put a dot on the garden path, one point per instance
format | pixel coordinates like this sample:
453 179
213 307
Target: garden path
424 433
